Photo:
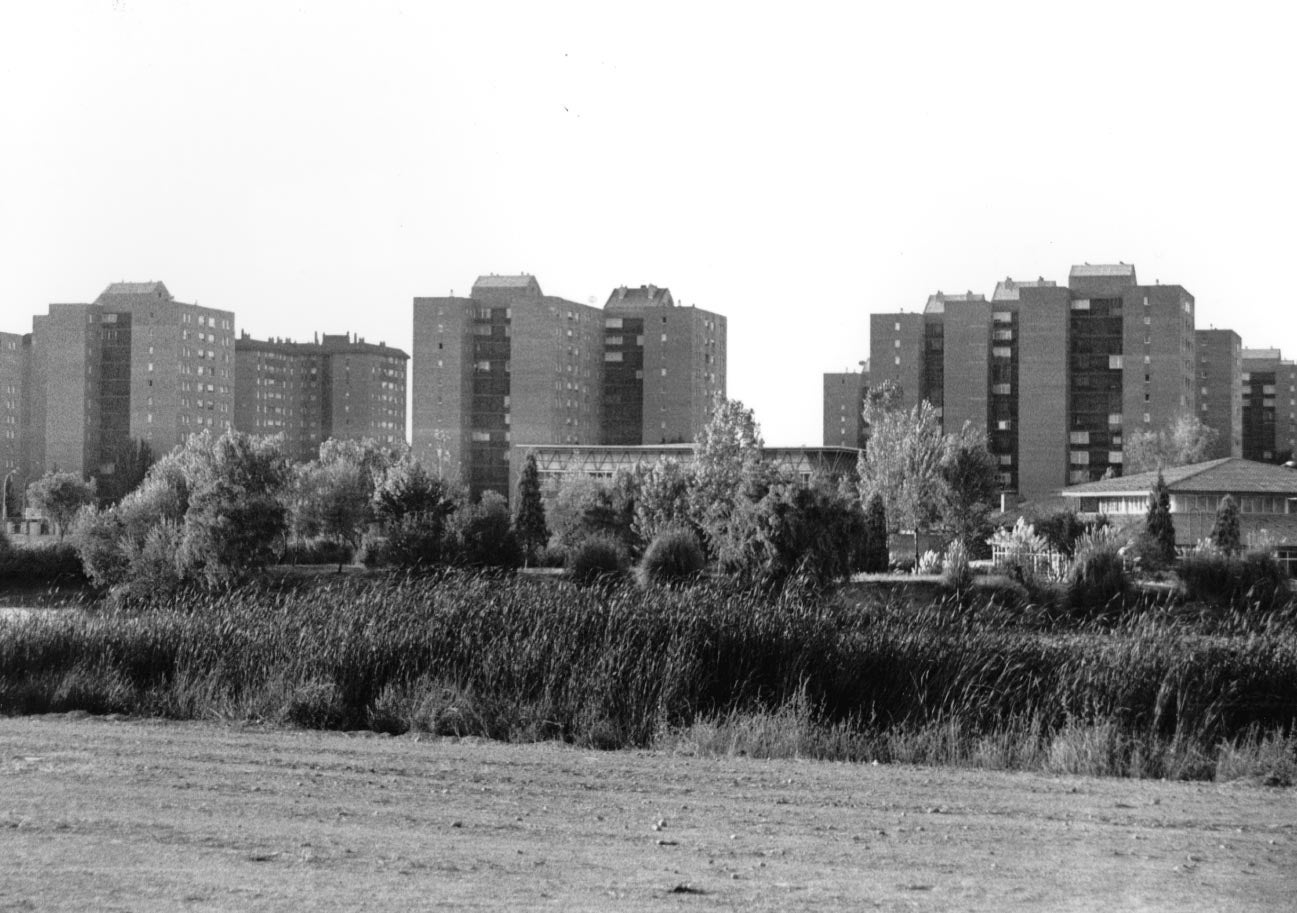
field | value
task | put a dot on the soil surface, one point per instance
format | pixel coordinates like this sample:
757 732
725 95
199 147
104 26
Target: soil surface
116 814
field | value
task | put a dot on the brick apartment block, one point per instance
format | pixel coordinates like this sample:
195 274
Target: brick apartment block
337 386
1058 376
510 366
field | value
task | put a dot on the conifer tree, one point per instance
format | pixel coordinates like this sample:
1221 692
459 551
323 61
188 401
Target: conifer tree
1225 532
875 535
529 523
1160 529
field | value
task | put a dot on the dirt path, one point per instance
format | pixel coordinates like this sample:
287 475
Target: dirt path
142 815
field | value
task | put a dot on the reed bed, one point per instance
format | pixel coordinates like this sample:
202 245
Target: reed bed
1159 692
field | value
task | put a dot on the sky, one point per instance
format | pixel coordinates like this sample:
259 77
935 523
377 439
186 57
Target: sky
315 166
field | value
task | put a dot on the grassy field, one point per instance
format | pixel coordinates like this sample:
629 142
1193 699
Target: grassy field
147 815
870 674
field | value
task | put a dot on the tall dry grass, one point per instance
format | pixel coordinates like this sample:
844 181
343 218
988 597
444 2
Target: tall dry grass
941 681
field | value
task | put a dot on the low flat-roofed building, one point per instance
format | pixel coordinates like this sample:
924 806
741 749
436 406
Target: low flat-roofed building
1266 496
555 462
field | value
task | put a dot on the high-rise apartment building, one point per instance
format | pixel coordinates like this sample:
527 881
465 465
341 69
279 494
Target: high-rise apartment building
337 386
1269 406
1220 390
13 350
663 365
510 365
1057 376
844 405
134 365
507 365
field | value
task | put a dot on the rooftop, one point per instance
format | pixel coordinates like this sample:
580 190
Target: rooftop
644 296
1227 475
1008 289
1090 270
937 303
137 288
520 281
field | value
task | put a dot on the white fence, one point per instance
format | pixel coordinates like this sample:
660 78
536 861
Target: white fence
1042 564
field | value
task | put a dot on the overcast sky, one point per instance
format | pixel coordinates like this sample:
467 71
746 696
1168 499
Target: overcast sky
315 166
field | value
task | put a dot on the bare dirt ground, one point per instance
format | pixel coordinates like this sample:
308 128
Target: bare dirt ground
103 814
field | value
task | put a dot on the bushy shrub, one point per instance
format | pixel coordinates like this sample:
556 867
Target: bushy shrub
929 563
483 534
1254 579
598 559
1266 577
372 551
1025 555
415 542
674 557
793 532
1063 528
317 551
53 564
1096 580
956 572
551 556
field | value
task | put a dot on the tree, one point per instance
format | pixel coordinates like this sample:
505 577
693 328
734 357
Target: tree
211 512
130 462
237 515
876 555
1184 440
903 464
343 492
59 495
794 532
1225 532
370 456
728 467
414 506
529 523
972 481
583 507
1158 525
881 398
332 496
663 501
483 535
